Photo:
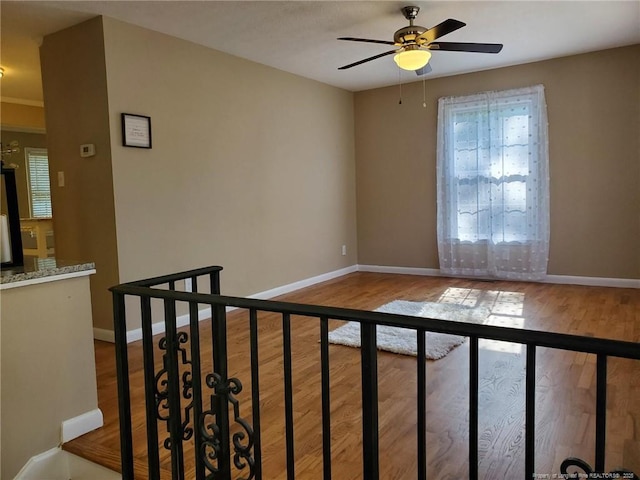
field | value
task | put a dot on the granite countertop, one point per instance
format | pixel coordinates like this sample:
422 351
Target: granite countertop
37 270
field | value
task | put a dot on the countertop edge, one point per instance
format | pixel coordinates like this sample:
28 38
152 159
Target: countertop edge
47 278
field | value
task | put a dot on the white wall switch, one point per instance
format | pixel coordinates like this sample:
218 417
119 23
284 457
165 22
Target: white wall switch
87 150
344 249
61 179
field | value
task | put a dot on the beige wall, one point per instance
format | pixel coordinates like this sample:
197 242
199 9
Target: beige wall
75 93
28 117
251 168
593 104
48 366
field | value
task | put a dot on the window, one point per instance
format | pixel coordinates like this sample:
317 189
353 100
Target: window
37 163
493 184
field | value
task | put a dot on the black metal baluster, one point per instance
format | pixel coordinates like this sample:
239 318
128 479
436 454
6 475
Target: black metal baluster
601 411
473 408
326 398
173 379
219 333
369 364
196 379
224 389
530 414
422 405
288 394
124 395
255 392
214 282
150 390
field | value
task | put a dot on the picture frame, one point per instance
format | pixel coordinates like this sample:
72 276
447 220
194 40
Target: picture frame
136 130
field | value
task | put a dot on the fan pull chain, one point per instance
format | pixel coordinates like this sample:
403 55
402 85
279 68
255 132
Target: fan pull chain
400 85
424 93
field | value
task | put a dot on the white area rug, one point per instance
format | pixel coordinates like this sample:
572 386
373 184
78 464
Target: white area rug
403 340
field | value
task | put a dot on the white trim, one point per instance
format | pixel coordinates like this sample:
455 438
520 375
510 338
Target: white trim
558 279
593 281
47 279
292 287
22 101
104 335
182 320
428 272
50 462
56 464
156 328
85 423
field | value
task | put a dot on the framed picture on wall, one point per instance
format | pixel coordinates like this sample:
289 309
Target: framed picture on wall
136 130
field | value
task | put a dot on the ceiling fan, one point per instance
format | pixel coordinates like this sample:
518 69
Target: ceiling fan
415 43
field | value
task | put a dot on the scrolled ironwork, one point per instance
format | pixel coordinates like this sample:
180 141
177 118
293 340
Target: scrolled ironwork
162 395
588 472
187 389
162 388
210 433
243 441
187 385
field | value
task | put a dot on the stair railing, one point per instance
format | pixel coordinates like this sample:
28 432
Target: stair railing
176 396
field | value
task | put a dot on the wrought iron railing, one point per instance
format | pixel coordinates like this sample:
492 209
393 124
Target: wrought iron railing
192 411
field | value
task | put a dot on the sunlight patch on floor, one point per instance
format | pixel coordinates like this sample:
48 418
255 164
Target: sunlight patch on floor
497 346
507 310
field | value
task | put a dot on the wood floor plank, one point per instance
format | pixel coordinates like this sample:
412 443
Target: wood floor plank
565 396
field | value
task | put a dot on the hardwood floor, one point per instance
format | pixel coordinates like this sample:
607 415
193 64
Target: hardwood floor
565 381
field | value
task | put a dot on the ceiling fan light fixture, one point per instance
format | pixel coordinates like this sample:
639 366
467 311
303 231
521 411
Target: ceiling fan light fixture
412 59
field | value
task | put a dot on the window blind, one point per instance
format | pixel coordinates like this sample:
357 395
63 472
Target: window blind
39 187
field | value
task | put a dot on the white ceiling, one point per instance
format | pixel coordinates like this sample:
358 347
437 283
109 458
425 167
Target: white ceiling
300 36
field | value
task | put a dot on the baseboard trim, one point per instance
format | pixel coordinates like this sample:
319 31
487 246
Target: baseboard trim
50 462
104 335
182 320
593 281
558 279
156 328
292 287
56 464
427 272
78 426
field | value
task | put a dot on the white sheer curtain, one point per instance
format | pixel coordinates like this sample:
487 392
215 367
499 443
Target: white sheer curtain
493 184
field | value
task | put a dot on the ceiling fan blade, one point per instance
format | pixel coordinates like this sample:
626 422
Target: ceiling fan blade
466 47
366 40
367 59
424 70
440 30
